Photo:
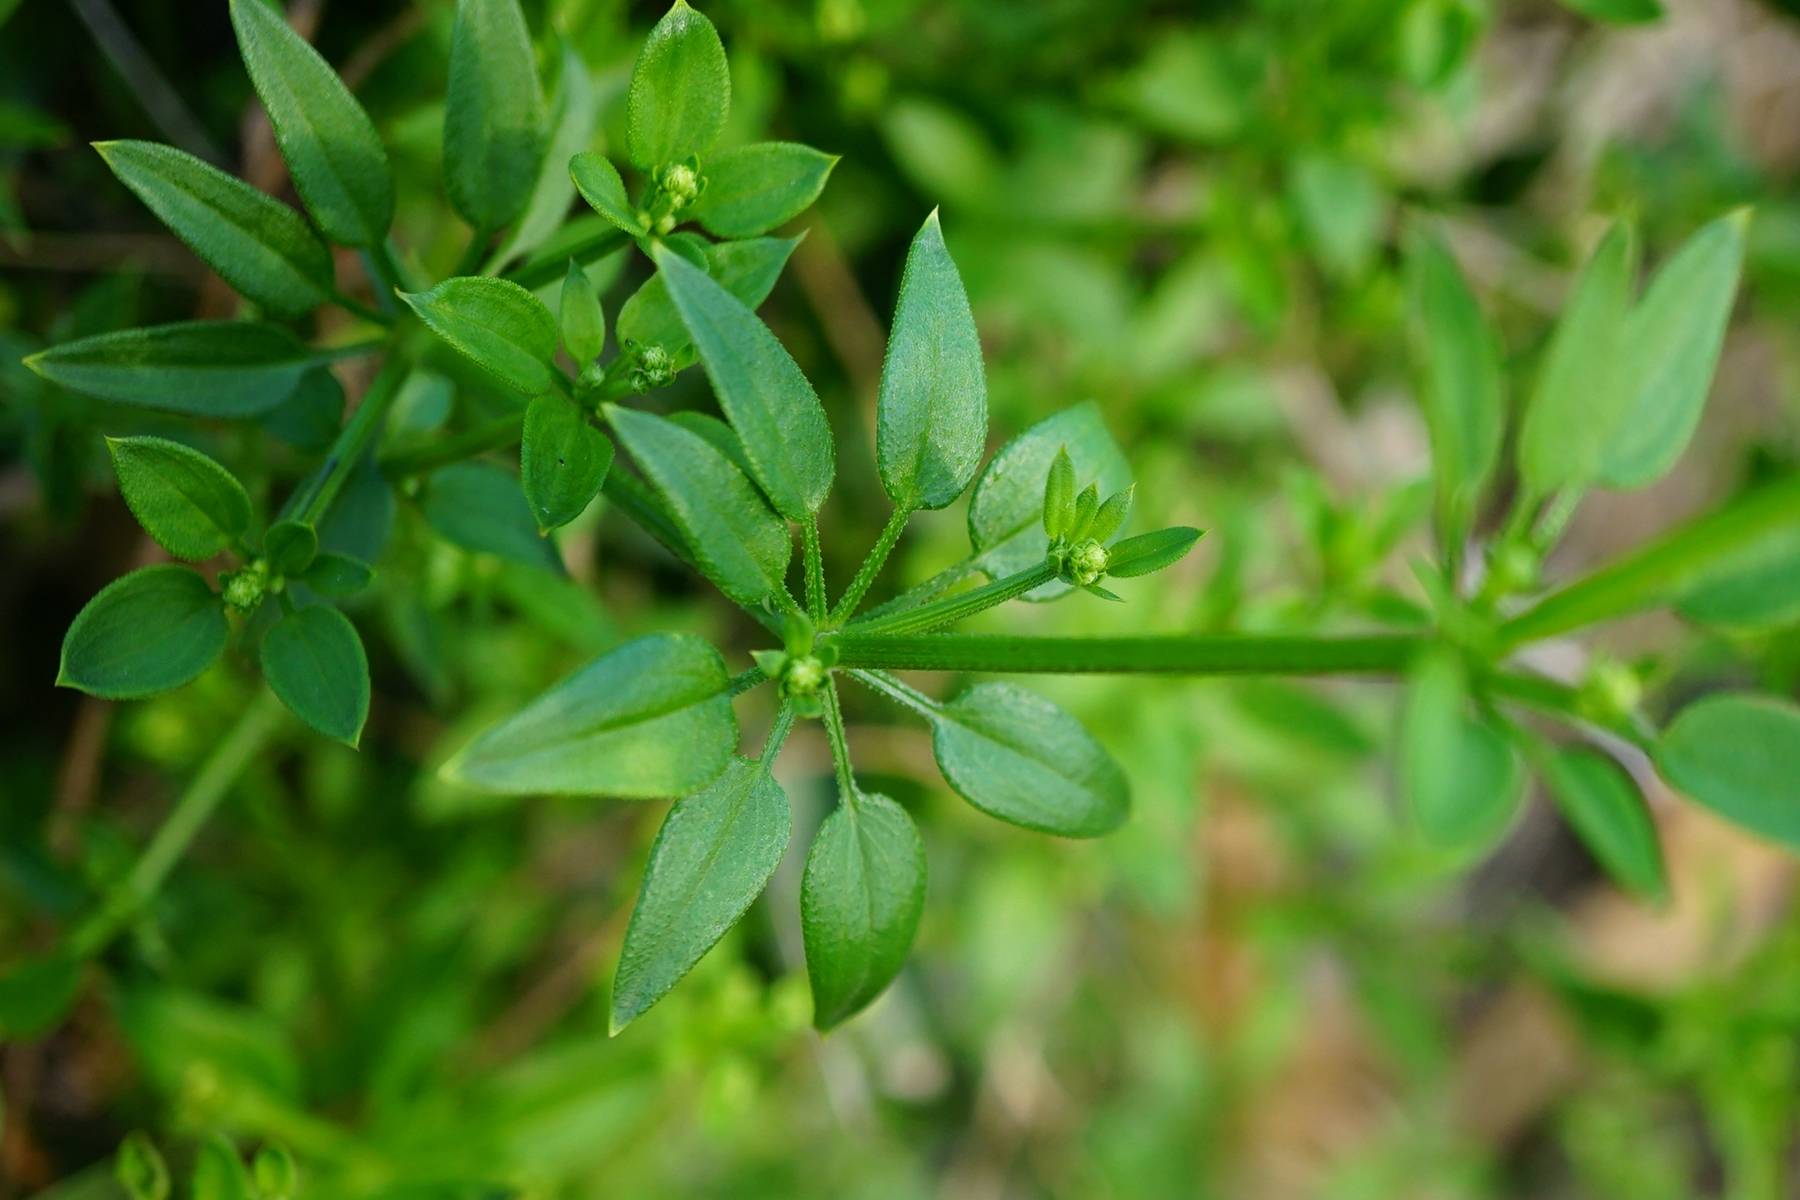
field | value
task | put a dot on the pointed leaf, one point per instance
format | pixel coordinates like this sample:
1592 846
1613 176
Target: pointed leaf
499 326
747 269
1739 755
495 123
563 461
144 633
1601 803
680 90
599 184
192 506
860 899
219 1173
314 661
1150 552
752 189
480 507
201 368
582 320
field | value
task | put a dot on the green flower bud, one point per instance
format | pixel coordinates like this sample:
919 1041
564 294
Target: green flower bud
245 589
653 367
1087 563
1611 692
681 184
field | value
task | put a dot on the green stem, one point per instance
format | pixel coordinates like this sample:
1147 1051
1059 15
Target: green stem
417 460
360 309
1660 571
900 693
473 253
871 566
1561 700
228 759
360 349
743 681
778 732
539 271
815 570
1247 654
931 589
353 440
1556 518
939 613
840 745
387 269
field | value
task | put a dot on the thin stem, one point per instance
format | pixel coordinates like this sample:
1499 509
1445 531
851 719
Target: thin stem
360 309
815 569
871 566
743 681
1247 654
228 759
539 271
417 460
361 349
840 745
1555 519
778 732
931 589
1561 700
473 253
353 440
939 613
902 694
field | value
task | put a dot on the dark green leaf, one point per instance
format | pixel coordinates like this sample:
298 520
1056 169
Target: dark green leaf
259 245
599 184
1601 803
1756 588
140 1169
480 507
723 437
931 417
1739 755
747 269
202 368
860 900
309 419
290 547
192 506
314 660
563 461
754 188
337 575
499 326
714 854
1150 552
218 1171
1016 756
36 993
332 151
1459 776
574 114
495 123
146 632
652 718
582 320
680 90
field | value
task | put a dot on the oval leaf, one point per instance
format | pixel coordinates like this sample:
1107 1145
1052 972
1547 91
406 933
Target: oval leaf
680 90
314 661
200 368
1739 755
1757 588
599 184
754 188
480 507
144 633
581 317
495 122
1601 803
563 460
219 1173
191 505
1460 777
652 718
497 325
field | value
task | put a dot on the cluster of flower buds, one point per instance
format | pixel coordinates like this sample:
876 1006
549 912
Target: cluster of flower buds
678 185
800 667
1079 524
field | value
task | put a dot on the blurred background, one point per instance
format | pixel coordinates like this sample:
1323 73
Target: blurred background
1187 212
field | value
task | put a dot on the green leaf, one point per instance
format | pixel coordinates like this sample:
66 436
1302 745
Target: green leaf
680 90
1007 506
721 436
1150 552
1739 755
1601 803
766 398
290 547
313 660
652 718
219 1173
273 1169
741 545
312 415
1059 495
337 575
1016 756
140 1169
713 856
1460 384
480 507
258 245
497 325
931 417
191 505
563 461
1576 405
495 123
1617 12
200 368
1461 778
332 151
860 899
144 633
747 269
1672 341
599 184
575 112
36 993
1757 588
754 188
581 317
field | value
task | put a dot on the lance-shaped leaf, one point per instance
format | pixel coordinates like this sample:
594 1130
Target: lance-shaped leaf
1672 341
599 184
1006 509
1739 755
191 505
931 417
328 141
1460 777
652 718
144 633
572 120
768 401
480 507
1150 552
258 245
497 325
747 269
711 860
200 368
495 123
1601 803
680 90
741 545
582 319
754 188
860 899
563 460
219 1173
314 661
1016 756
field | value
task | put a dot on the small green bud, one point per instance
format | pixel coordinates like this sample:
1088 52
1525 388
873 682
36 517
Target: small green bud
681 183
245 589
1059 495
652 367
140 1169
804 676
1087 563
1611 692
1085 506
1515 568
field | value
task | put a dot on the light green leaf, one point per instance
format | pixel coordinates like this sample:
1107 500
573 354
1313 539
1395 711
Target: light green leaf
1739 755
1150 552
572 120
201 368
1578 399
1601 803
274 1172
581 317
1016 756
1461 778
497 325
741 545
36 993
747 269
766 398
563 460
652 718
599 184
219 1173
680 90
1757 588
713 856
495 123
332 151
480 507
313 660
140 1169
931 416
259 245
1617 12
1672 341
860 899
144 633
752 189
192 506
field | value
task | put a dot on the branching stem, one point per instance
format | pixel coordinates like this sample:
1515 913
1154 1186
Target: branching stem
940 613
871 566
